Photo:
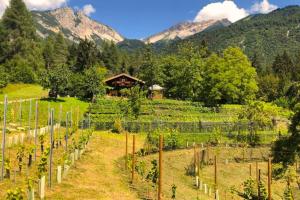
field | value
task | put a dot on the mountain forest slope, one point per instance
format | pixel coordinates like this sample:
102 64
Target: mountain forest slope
265 35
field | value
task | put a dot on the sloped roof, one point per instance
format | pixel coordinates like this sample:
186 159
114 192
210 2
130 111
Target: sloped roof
156 88
124 74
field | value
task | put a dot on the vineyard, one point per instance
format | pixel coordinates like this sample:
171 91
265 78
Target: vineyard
202 171
51 152
41 141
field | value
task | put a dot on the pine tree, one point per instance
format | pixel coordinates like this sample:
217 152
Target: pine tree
288 195
22 55
151 72
87 55
111 57
60 50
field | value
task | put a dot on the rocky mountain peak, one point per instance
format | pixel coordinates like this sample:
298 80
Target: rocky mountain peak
74 25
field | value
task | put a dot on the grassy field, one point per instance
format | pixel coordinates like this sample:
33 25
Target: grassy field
23 91
98 175
101 175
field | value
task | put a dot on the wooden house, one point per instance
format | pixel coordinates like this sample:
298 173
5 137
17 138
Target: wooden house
121 81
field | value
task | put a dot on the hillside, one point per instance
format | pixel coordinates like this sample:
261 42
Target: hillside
74 25
265 34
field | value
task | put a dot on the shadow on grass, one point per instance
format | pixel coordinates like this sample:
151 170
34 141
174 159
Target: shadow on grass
53 100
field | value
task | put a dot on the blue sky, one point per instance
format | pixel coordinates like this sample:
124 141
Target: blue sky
138 19
141 18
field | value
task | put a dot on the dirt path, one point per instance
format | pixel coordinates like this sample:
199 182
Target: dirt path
96 175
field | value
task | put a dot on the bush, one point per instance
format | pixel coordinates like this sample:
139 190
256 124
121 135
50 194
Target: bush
117 126
249 189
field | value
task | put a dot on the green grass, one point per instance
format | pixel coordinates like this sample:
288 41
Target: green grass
77 107
164 110
107 110
23 91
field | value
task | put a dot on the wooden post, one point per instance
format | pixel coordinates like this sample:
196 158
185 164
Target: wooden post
160 167
195 161
258 186
36 127
216 177
3 137
89 121
71 118
133 159
51 146
256 169
269 179
126 151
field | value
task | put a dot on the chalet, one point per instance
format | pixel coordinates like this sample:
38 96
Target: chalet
121 81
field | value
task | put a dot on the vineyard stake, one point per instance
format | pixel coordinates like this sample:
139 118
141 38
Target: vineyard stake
89 121
256 166
133 159
195 167
269 179
71 118
160 167
59 122
36 127
49 116
3 137
20 112
67 131
258 186
126 151
51 146
216 177
29 117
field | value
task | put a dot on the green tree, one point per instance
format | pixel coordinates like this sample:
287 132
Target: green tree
111 57
228 79
183 72
57 80
268 87
87 55
283 67
150 70
55 51
285 150
22 51
89 84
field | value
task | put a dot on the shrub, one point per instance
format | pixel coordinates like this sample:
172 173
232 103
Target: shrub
16 194
117 126
171 140
249 189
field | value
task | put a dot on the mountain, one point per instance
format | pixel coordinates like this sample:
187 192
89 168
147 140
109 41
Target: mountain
74 25
263 35
184 30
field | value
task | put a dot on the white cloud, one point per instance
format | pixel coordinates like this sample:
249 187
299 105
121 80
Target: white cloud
221 10
3 5
263 7
88 9
35 4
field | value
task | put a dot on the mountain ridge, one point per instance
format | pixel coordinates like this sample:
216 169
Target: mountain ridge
183 30
74 25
